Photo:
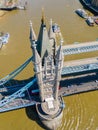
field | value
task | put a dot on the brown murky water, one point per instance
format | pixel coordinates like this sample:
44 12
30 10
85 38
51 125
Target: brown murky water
81 111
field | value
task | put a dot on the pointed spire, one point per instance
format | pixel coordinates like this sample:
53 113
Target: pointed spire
43 43
32 33
43 17
51 33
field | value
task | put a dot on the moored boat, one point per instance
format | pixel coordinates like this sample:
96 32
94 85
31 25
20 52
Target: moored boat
21 7
8 8
56 28
82 13
4 37
90 21
96 21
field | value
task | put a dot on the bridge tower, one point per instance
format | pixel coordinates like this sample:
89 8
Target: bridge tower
48 65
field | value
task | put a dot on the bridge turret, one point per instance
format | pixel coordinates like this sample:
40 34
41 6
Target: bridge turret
59 65
38 70
52 38
32 34
48 73
51 33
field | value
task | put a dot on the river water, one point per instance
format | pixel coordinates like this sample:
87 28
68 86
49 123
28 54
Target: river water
81 111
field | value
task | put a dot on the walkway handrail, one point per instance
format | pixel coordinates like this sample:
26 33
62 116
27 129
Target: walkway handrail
14 73
17 93
80 48
79 68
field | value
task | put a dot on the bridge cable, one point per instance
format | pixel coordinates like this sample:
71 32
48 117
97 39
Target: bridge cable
14 73
17 93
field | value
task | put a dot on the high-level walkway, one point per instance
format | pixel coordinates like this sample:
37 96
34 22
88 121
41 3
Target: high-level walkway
80 66
80 48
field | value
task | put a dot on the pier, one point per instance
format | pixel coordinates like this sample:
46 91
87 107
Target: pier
89 6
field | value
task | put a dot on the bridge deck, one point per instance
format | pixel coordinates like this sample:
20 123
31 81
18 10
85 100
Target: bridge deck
80 66
80 62
17 104
79 84
80 48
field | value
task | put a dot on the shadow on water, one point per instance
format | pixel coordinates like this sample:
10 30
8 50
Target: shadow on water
78 80
14 85
32 115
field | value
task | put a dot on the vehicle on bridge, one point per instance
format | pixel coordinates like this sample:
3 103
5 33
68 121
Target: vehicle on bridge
34 92
96 21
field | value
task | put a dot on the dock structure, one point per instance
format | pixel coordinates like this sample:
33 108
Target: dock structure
53 77
91 5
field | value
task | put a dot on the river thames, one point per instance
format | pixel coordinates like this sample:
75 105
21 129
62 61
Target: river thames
81 111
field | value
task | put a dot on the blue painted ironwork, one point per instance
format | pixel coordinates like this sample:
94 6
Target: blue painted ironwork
14 73
15 105
17 93
77 50
79 68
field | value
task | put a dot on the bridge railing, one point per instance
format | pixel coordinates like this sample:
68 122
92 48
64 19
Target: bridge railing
79 68
69 50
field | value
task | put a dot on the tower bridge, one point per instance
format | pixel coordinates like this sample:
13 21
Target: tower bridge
49 66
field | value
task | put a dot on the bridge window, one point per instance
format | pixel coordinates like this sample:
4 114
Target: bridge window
48 71
48 63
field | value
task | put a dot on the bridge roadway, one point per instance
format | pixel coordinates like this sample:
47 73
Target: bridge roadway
79 84
12 98
69 86
19 103
80 66
80 48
